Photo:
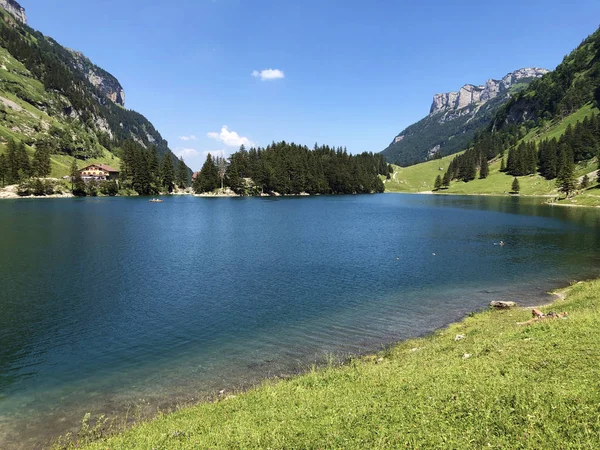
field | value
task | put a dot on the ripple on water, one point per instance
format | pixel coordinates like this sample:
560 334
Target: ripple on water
110 303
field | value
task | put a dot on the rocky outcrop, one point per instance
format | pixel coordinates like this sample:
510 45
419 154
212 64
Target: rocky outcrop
477 95
107 84
455 117
502 304
15 9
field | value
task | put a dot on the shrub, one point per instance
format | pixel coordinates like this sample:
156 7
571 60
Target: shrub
38 188
48 187
109 188
24 189
92 188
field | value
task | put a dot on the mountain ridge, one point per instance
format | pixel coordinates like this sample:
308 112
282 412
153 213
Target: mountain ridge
544 140
455 117
104 81
14 8
56 96
470 93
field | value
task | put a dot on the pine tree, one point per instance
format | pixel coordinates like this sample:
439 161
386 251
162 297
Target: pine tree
167 173
237 170
74 172
24 163
154 166
502 166
182 174
142 177
77 184
446 180
208 178
3 169
516 187
13 164
38 188
127 163
468 166
566 181
510 161
598 173
585 182
521 160
41 165
548 159
532 158
438 183
485 168
222 169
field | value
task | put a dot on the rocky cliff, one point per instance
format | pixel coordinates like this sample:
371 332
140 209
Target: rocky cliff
63 100
470 94
107 84
15 9
455 117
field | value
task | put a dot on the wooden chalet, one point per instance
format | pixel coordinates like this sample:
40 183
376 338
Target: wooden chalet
99 172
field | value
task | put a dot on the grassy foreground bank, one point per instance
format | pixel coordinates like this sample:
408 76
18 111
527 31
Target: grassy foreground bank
523 386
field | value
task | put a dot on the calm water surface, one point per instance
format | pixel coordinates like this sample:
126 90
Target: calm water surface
117 302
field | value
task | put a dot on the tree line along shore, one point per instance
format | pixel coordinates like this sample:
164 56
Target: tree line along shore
278 169
553 159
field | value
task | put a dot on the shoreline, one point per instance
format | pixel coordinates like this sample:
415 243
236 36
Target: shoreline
414 345
540 196
10 195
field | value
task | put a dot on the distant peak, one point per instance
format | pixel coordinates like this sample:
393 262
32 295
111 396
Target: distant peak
15 9
470 94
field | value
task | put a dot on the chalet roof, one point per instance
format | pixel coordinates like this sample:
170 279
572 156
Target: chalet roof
104 167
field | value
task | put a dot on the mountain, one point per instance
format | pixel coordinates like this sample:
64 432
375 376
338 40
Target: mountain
107 84
575 82
547 135
526 126
15 9
454 117
54 95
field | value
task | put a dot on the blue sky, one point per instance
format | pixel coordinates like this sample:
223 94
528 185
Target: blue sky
355 73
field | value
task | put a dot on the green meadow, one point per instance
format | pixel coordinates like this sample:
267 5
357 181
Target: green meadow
421 177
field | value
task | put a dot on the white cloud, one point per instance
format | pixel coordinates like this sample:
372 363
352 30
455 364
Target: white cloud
188 138
186 152
230 138
214 153
268 74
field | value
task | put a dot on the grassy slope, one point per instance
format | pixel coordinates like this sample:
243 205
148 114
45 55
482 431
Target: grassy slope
420 178
61 164
22 121
556 130
417 178
530 386
590 197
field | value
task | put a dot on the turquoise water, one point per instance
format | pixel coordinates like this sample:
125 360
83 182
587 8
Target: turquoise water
110 304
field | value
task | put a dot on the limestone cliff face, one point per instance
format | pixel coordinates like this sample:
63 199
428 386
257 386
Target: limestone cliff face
477 95
15 9
107 84
455 117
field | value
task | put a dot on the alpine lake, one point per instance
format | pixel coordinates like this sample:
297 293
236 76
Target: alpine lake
122 307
